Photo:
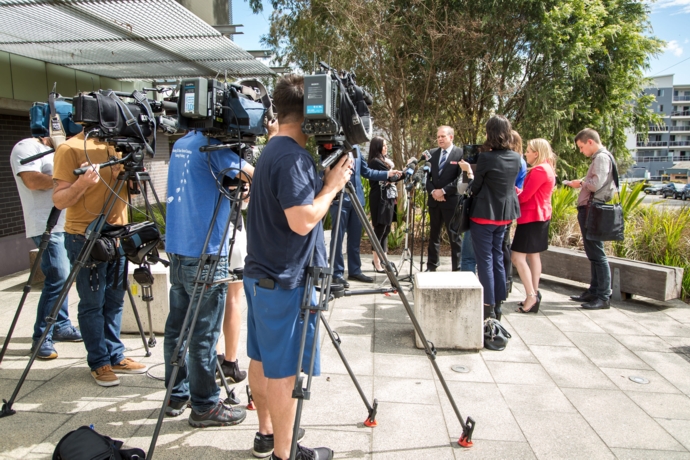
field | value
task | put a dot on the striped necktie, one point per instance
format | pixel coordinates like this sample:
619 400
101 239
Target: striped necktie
442 162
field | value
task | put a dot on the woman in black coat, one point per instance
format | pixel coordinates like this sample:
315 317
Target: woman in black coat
495 204
382 197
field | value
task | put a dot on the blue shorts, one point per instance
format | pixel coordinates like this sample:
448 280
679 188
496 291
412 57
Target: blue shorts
274 329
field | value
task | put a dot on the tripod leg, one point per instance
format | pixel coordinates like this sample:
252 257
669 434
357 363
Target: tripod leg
45 240
467 426
152 335
136 317
232 397
371 419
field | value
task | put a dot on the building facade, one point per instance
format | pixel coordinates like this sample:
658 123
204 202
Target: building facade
667 143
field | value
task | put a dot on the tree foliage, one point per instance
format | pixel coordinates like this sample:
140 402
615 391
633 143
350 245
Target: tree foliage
552 67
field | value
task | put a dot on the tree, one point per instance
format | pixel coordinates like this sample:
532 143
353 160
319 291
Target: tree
552 67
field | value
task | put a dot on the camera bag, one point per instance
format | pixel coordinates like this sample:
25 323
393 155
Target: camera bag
86 444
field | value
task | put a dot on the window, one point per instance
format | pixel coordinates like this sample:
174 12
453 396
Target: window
661 108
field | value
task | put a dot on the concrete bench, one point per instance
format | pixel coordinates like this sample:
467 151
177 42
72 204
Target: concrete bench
159 305
448 306
628 277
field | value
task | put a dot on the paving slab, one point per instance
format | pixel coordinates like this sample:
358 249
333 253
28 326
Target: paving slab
538 330
558 435
658 405
474 362
672 366
605 351
570 368
616 323
679 429
535 398
495 449
619 421
656 383
568 320
519 373
642 454
647 342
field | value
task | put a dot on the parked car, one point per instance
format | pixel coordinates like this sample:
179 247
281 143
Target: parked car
671 190
653 189
685 194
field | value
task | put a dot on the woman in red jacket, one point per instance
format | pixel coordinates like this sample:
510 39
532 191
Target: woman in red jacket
532 233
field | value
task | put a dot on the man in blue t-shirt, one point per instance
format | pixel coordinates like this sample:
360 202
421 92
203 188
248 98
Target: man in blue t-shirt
193 181
289 199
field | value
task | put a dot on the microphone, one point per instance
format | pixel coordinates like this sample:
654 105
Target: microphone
425 156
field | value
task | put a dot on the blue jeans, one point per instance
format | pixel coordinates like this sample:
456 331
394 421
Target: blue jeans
467 260
197 378
100 306
600 280
349 222
55 266
488 249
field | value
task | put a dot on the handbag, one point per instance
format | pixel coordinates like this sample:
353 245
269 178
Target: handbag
460 222
495 335
604 221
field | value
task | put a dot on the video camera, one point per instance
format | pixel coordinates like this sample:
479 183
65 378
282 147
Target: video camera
336 113
131 126
231 112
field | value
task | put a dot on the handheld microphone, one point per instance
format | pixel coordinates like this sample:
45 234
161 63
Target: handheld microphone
425 156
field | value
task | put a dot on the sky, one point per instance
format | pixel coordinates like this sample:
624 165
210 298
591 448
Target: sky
669 21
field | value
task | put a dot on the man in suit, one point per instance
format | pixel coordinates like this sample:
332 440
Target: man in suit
443 195
349 222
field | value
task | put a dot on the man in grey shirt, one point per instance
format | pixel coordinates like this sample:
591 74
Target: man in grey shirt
598 185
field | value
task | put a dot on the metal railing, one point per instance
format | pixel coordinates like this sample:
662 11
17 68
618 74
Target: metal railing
652 144
656 129
678 143
684 113
681 98
643 159
680 128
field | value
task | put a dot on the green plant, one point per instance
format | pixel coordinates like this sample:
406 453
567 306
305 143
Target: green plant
139 216
397 234
563 212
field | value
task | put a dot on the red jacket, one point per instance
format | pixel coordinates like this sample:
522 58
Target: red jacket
535 198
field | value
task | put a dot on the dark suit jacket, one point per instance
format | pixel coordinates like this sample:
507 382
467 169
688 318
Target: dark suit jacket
493 187
447 181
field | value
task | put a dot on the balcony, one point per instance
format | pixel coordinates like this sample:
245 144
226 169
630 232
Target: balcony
643 159
681 98
652 144
675 129
657 129
683 113
678 144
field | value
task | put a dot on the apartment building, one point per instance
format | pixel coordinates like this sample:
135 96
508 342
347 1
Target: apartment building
666 149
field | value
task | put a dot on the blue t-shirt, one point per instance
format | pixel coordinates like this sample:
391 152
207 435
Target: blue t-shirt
193 193
520 180
285 176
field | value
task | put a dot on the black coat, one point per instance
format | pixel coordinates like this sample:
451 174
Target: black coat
493 187
447 181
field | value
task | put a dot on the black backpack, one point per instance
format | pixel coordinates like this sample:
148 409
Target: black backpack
85 444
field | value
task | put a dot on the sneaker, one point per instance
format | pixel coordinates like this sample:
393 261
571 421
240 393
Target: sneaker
263 444
175 408
67 334
232 372
129 366
220 415
105 377
47 350
305 453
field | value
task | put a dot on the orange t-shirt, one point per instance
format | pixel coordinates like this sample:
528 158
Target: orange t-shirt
68 157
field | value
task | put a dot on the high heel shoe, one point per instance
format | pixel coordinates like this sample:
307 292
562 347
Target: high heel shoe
377 271
522 304
534 308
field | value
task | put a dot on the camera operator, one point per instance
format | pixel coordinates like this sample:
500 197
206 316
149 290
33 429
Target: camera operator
100 287
285 229
192 181
446 166
35 184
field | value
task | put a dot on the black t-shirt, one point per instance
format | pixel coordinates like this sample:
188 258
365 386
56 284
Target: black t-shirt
285 176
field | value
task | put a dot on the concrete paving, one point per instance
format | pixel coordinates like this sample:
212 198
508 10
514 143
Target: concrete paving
561 389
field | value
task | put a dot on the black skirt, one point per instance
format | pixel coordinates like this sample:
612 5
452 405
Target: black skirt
531 238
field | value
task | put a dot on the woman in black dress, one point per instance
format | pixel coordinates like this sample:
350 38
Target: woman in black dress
382 197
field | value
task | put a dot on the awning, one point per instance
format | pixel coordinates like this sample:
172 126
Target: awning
125 39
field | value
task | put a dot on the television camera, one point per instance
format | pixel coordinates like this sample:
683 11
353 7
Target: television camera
336 113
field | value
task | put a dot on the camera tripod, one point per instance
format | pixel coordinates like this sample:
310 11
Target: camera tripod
303 393
134 172
203 280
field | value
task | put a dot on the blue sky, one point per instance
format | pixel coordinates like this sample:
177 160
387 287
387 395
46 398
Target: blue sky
669 19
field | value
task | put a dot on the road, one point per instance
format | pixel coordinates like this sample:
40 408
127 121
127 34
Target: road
665 202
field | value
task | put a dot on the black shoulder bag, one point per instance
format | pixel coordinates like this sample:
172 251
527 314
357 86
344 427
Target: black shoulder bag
605 221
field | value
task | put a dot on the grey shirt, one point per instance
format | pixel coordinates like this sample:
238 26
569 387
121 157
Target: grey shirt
599 179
